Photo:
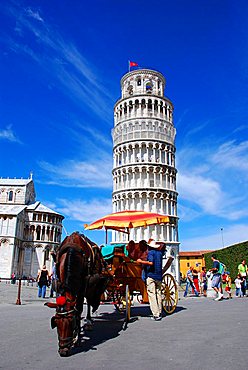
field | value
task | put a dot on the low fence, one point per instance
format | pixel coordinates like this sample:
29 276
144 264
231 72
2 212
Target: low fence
19 283
25 281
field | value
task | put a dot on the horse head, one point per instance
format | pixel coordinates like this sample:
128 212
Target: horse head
67 322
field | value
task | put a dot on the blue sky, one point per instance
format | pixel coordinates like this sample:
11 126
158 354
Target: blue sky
60 65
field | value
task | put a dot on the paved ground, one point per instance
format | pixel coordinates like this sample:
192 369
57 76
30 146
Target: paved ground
201 334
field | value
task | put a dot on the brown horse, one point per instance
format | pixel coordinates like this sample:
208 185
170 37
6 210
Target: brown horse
79 265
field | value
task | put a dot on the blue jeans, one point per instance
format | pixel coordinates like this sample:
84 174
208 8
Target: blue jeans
243 287
239 292
192 285
42 291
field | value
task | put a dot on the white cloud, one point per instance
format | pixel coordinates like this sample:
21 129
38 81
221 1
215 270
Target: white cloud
187 214
93 136
9 135
34 14
84 211
200 190
76 77
82 174
212 178
231 235
232 155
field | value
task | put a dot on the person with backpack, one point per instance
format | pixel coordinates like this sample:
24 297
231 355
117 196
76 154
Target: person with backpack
217 270
222 270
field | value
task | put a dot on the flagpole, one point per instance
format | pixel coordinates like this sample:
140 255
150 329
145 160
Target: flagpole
129 66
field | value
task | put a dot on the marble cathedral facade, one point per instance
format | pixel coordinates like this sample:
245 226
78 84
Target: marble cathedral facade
29 231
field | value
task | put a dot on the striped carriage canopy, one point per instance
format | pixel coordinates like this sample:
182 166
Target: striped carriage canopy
127 219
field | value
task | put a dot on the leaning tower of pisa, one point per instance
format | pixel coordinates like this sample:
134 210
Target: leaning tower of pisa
144 173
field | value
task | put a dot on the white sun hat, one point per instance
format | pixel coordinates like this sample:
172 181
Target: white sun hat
153 244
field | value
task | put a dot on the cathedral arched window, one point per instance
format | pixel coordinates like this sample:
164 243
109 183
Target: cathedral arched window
46 255
10 196
139 82
43 233
32 228
38 233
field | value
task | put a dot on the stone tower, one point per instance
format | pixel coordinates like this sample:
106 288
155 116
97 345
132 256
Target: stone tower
144 173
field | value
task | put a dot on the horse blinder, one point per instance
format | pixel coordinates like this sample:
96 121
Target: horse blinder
53 322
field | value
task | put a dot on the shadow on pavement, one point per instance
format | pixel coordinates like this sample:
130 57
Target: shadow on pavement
106 326
144 311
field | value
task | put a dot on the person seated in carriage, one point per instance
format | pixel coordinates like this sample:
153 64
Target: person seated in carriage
137 250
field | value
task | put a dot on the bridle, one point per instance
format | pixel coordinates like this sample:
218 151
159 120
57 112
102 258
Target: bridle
68 341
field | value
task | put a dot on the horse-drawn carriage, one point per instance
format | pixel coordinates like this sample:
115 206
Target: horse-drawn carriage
127 283
84 273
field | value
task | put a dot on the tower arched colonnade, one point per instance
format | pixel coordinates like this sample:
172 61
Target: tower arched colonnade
144 172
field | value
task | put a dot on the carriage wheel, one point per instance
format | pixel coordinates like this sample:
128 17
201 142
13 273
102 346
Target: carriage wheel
119 300
139 297
128 308
169 293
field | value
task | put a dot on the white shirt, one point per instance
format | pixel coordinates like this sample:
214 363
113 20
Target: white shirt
237 282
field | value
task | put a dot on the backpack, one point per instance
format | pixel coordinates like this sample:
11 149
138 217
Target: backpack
221 268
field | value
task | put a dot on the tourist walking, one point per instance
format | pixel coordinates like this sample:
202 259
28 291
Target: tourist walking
53 277
43 280
242 270
216 280
153 272
203 281
13 278
237 283
228 287
196 280
190 282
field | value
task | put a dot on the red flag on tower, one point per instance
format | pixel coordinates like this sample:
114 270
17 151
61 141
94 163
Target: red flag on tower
133 64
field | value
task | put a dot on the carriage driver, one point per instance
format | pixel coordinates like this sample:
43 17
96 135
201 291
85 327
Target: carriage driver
153 274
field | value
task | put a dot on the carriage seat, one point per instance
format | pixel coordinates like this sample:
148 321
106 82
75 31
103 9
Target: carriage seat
110 250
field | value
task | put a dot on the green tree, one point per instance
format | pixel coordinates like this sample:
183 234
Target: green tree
231 257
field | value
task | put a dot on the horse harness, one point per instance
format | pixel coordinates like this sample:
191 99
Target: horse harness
68 341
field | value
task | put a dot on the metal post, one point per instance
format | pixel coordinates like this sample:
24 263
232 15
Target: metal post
222 237
128 234
106 236
18 301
